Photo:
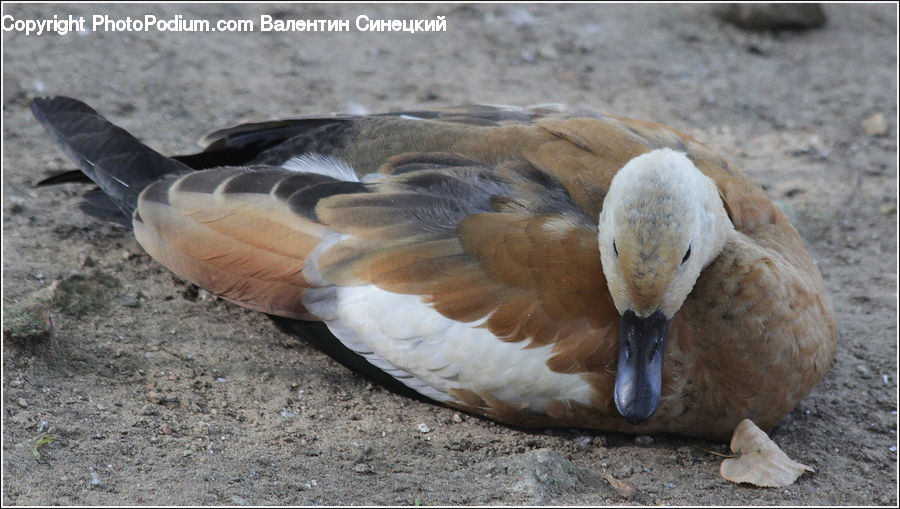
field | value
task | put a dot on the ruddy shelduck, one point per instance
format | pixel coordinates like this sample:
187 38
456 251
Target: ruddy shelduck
538 267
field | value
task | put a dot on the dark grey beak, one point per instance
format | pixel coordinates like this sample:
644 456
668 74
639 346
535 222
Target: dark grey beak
642 347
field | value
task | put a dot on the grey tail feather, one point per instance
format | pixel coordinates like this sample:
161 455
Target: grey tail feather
111 157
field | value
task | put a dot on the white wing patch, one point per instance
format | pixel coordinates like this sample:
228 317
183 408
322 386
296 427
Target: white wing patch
432 354
327 165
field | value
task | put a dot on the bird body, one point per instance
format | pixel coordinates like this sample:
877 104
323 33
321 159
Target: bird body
537 267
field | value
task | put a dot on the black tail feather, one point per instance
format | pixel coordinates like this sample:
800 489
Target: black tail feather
65 178
96 203
111 157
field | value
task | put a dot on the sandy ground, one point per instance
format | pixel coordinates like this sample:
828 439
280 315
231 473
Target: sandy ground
157 393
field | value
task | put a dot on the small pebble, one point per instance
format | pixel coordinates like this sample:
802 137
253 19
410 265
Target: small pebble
22 403
423 428
643 440
456 418
95 477
583 442
362 468
875 125
548 52
624 488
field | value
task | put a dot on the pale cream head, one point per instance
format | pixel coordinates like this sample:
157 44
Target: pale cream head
662 222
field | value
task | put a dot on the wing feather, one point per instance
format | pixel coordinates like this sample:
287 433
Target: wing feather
520 274
238 232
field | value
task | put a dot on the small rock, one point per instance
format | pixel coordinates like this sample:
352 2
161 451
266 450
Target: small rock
625 489
542 475
643 440
548 52
583 442
363 468
456 418
774 16
22 403
130 301
17 207
423 428
875 125
95 478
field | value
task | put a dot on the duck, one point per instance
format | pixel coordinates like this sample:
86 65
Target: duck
540 267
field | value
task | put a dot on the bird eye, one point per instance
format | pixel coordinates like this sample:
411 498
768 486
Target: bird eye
616 251
686 255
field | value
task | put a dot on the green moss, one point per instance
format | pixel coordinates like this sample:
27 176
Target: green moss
43 441
81 294
26 324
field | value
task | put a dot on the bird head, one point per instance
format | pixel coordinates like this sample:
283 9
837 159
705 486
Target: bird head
661 223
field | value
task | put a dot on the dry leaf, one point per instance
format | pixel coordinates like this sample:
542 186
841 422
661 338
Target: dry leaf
624 488
759 460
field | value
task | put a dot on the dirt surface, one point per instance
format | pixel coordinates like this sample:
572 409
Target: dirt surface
157 393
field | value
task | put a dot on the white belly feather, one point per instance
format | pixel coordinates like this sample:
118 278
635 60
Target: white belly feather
406 337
